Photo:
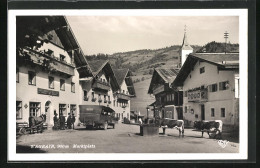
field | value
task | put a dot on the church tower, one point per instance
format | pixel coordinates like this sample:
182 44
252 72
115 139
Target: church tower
186 49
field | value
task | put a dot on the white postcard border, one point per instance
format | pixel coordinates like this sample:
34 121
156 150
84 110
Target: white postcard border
243 116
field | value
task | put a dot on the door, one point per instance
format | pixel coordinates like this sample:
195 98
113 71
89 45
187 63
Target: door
180 113
202 112
47 112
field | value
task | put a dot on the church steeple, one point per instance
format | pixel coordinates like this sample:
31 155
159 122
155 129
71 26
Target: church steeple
185 44
186 49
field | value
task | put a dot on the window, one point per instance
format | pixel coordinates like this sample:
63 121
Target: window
35 109
105 99
50 52
202 70
202 87
17 75
223 85
62 109
196 116
73 109
172 97
117 103
185 109
51 82
114 102
32 78
85 93
62 58
72 87
62 85
19 110
212 112
223 112
168 97
213 87
185 94
93 94
108 98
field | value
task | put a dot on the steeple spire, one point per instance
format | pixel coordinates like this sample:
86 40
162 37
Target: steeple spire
185 44
186 49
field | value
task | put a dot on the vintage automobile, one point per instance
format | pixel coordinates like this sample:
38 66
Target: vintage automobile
95 116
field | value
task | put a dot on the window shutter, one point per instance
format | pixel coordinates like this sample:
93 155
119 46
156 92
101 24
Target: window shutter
210 88
220 85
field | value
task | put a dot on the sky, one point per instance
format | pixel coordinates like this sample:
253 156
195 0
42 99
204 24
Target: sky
111 34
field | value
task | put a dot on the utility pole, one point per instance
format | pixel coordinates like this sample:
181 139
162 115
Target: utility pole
226 37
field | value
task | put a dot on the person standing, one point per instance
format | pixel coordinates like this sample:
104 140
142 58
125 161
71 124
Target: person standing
73 120
69 121
62 122
55 120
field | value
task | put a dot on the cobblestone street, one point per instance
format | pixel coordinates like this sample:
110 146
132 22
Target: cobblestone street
123 139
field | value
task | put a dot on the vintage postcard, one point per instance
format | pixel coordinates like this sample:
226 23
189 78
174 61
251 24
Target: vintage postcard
127 84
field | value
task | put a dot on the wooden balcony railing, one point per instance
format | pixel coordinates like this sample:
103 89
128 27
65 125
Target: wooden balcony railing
101 85
48 62
123 96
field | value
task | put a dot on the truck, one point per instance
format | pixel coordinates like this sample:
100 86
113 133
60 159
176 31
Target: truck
95 116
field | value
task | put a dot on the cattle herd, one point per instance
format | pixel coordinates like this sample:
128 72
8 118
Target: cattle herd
212 127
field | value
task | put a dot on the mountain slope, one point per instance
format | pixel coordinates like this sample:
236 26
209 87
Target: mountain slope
142 99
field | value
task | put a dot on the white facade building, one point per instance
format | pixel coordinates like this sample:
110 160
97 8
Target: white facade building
211 88
47 81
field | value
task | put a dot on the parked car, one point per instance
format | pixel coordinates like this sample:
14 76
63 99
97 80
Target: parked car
95 116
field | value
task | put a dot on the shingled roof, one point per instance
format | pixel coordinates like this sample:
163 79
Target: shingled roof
120 75
229 61
218 58
97 65
162 75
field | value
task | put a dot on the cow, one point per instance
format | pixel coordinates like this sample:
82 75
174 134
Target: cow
171 123
214 127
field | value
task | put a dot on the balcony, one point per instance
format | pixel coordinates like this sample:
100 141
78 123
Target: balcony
123 96
48 62
198 96
158 89
101 85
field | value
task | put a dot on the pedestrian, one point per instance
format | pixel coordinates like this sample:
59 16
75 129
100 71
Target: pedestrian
62 122
69 121
55 120
73 120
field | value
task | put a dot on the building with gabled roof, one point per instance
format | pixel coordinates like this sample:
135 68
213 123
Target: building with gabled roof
98 88
168 102
48 57
210 84
122 97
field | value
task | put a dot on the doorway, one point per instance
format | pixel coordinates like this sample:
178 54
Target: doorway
48 112
202 112
180 113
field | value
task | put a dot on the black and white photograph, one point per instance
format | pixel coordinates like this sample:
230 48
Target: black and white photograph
111 84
